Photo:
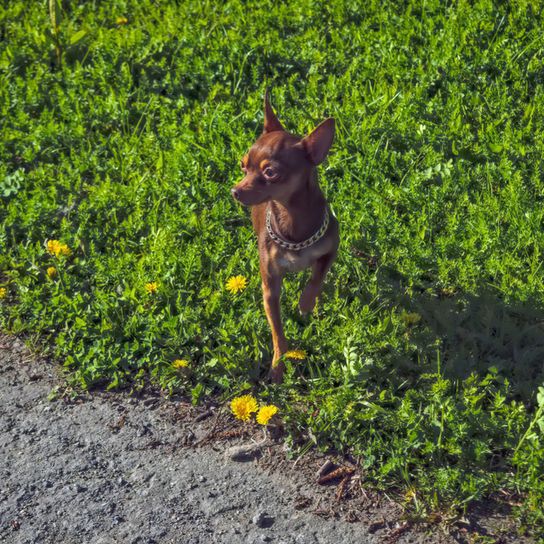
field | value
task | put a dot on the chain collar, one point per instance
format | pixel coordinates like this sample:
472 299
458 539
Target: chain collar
296 246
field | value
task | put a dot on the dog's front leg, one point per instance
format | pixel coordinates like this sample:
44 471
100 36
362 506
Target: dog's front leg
271 297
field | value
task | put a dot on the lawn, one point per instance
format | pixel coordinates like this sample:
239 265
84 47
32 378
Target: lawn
122 127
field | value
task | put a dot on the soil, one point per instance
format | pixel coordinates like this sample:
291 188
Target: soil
108 467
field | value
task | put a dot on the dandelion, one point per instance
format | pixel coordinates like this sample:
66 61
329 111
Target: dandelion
243 407
180 363
3 292
235 284
295 354
51 272
57 248
151 287
53 246
265 414
121 20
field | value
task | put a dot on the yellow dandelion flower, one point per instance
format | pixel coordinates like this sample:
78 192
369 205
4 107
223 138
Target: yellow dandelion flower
51 272
265 414
235 284
243 407
3 292
295 354
180 363
53 246
121 20
151 287
57 248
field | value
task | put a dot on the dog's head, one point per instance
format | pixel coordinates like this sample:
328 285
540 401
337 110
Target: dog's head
279 163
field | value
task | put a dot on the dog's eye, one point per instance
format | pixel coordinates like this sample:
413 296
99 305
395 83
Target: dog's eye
269 173
243 166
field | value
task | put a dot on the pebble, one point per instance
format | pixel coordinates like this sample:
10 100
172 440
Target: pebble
245 452
262 520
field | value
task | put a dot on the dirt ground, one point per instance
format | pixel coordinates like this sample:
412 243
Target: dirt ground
107 467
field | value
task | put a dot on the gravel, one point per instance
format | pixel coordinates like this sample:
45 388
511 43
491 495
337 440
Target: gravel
107 469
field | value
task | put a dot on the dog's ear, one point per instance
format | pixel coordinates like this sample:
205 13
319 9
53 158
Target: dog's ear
271 122
319 141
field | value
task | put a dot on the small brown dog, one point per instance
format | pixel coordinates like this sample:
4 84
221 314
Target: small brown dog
294 227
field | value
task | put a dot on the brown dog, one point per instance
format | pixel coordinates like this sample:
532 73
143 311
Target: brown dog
294 227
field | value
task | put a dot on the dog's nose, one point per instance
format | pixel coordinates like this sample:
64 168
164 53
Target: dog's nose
235 194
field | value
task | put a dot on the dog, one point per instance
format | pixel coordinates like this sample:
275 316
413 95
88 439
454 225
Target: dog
294 226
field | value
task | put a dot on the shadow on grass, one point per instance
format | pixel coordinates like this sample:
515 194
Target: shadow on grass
464 334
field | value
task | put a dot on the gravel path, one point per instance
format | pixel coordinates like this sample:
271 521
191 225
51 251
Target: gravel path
109 468
71 472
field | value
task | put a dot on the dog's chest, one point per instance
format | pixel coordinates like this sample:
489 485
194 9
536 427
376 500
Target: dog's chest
295 261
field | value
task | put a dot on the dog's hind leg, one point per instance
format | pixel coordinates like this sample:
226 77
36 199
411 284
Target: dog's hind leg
313 289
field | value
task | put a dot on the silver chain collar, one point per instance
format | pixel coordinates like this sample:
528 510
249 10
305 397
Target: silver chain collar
296 246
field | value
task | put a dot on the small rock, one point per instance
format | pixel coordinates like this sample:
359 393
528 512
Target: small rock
245 452
262 519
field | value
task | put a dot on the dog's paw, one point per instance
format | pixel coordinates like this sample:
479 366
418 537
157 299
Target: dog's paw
276 372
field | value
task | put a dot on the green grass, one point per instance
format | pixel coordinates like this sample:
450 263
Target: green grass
426 353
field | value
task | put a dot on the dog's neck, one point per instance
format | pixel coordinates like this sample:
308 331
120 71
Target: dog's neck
300 216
